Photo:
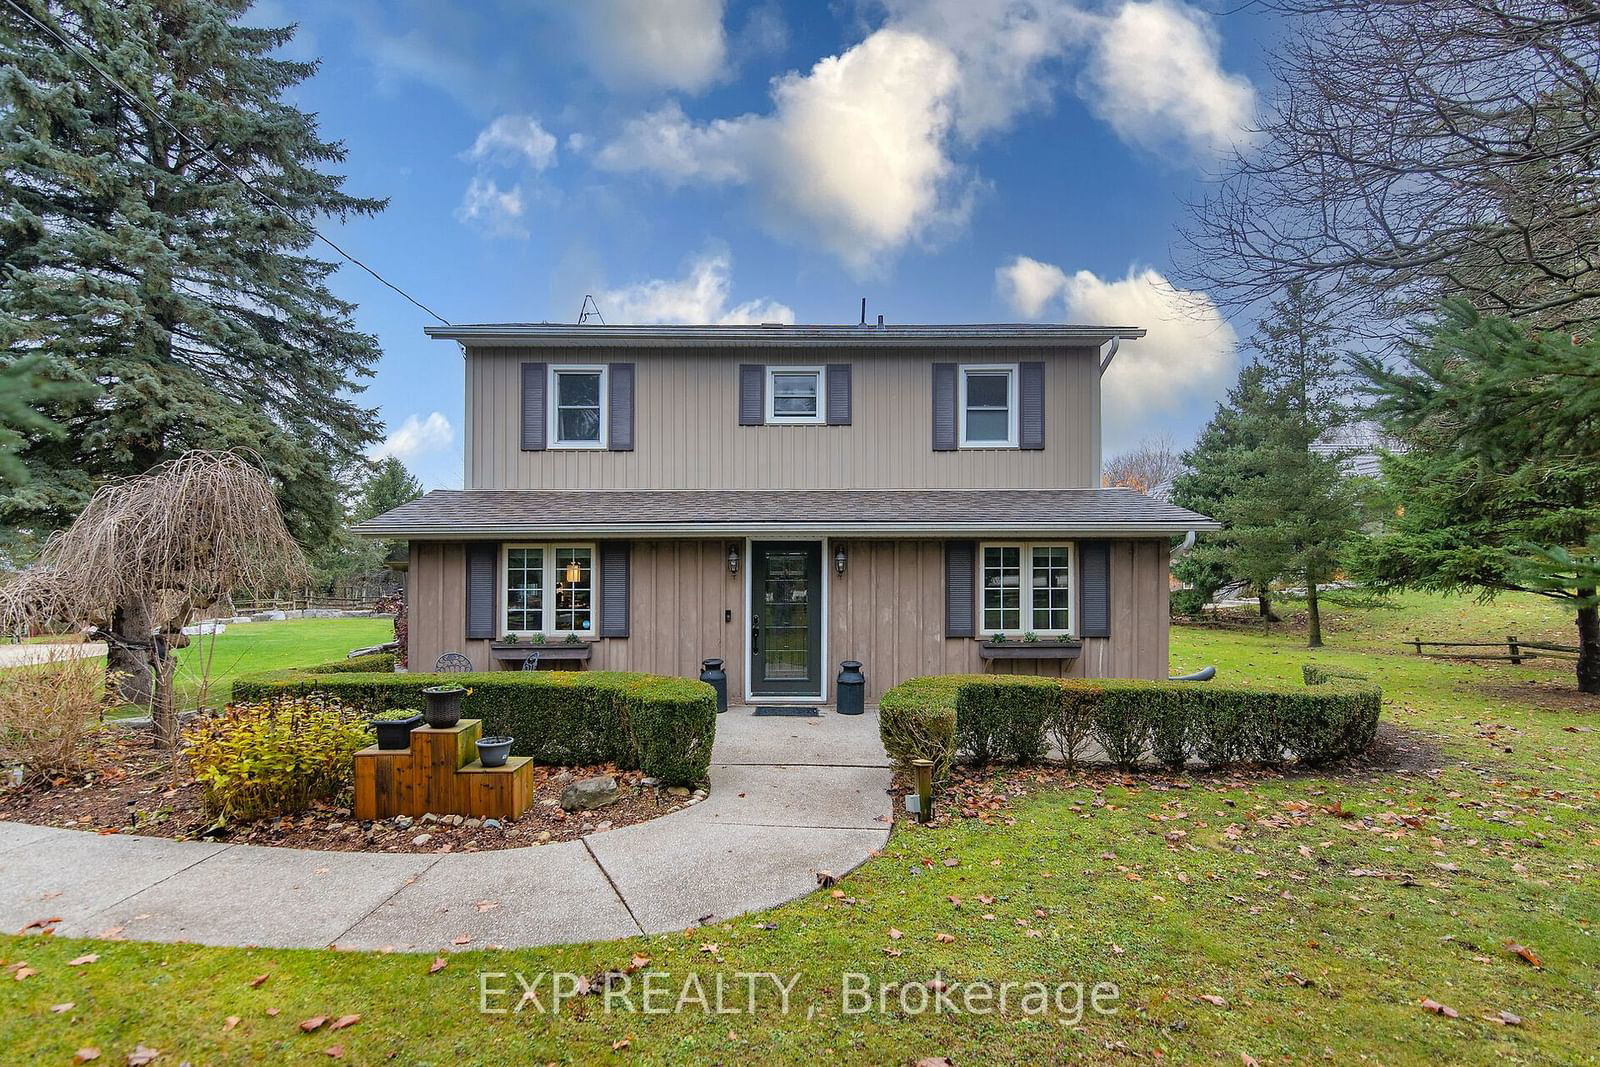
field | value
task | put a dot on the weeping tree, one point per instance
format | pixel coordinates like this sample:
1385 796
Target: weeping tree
150 553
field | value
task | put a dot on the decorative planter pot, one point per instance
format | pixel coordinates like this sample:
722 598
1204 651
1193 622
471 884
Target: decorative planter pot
444 706
395 734
852 688
492 751
1030 650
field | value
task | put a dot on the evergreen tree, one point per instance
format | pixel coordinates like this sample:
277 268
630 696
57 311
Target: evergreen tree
1278 488
136 265
346 554
1500 487
390 486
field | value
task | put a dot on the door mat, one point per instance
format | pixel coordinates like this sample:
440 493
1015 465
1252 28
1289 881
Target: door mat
770 710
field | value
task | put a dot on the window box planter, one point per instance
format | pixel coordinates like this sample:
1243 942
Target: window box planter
395 734
1030 649
553 652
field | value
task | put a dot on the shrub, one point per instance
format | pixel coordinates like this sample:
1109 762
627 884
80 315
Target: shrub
47 711
371 663
1005 717
276 757
917 720
394 715
1187 603
662 726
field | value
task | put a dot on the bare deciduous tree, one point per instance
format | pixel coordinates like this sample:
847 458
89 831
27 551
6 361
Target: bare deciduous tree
1148 467
1419 149
168 543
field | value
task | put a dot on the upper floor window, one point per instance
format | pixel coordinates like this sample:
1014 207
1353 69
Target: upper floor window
988 406
577 406
1027 588
794 394
566 571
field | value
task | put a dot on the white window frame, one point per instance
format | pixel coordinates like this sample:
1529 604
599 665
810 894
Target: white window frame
775 419
1025 615
1010 371
547 611
553 403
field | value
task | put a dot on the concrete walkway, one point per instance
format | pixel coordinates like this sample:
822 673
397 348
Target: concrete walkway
789 797
22 655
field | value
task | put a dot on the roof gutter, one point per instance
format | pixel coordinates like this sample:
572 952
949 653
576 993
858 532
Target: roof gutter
468 531
513 334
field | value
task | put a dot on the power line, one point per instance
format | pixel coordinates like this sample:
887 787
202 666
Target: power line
201 150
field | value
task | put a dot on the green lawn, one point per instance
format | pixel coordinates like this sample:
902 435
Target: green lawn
269 646
1320 910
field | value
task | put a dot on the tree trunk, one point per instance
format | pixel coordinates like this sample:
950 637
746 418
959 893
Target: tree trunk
1588 646
130 654
1264 603
1313 617
164 707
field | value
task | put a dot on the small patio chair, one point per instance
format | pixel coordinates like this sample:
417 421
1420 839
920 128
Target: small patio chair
452 663
532 662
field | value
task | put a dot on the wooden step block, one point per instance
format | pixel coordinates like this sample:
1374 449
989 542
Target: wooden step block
496 792
440 773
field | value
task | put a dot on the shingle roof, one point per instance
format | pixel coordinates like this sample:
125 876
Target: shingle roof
458 513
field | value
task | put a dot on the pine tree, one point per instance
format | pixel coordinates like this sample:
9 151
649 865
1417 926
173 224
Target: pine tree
137 266
1281 492
1500 486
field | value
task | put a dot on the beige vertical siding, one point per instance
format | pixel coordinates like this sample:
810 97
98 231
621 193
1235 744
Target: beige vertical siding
687 434
886 610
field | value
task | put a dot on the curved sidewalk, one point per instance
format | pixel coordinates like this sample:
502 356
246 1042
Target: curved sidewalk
789 797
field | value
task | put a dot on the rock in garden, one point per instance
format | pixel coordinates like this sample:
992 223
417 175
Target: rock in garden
491 824
589 793
473 824
544 835
649 783
430 817
678 791
422 839
403 821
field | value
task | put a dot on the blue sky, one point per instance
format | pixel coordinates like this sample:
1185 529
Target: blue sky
752 160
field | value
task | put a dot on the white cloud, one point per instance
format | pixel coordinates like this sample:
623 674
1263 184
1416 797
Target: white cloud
1156 77
699 298
1189 349
514 138
414 437
653 44
860 155
498 211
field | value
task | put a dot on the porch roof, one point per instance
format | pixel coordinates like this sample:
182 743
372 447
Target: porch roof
463 514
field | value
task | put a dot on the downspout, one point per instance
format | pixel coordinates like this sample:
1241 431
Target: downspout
1105 361
1188 543
1111 353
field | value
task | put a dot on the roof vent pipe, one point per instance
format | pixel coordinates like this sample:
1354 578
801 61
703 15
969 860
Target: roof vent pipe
1111 352
880 322
863 311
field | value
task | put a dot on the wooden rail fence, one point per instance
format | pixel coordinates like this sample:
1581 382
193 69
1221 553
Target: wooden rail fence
1517 650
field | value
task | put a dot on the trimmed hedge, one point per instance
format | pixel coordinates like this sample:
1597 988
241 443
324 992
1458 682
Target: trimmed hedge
984 718
661 726
371 663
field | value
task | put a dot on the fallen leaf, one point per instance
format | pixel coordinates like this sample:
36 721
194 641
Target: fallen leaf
952 862
488 905
710 947
312 1024
892 952
229 1023
255 983
343 1021
934 1061
40 924
837 894
945 938
59 1008
461 940
273 1012
621 1043
1525 952
895 935
1212 998
83 960
1504 1018
1247 1060
637 963
1429 1004
84 1055
141 1056
437 965
334 1052
23 972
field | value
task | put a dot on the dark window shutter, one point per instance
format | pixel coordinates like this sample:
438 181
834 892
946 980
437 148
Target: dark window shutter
960 562
838 394
1030 405
1094 589
482 559
614 589
533 406
944 407
752 394
619 416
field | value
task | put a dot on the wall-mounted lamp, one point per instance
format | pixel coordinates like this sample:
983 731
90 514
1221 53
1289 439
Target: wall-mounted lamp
840 559
733 559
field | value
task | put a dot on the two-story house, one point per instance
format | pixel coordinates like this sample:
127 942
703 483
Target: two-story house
785 498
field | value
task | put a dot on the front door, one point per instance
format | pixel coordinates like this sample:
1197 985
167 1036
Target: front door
786 618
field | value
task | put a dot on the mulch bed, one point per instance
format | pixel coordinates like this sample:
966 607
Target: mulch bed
131 788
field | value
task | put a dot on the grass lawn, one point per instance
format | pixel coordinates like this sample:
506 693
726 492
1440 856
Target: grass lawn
1316 911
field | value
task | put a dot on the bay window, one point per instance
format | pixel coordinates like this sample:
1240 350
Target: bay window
1026 588
548 589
